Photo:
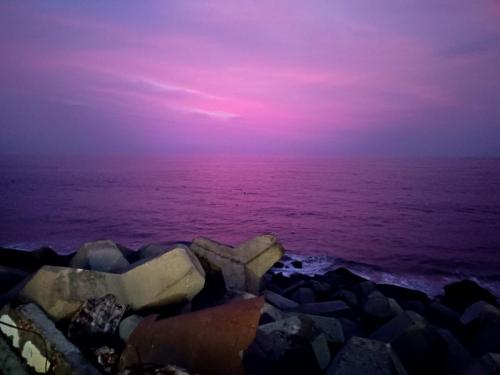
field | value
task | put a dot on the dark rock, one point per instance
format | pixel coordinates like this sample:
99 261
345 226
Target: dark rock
107 358
128 325
364 356
280 302
292 288
462 294
278 265
492 362
102 256
32 260
96 321
296 264
379 307
329 308
331 327
443 316
364 289
320 287
304 327
395 327
10 277
347 296
482 325
270 314
304 295
350 328
458 359
205 341
348 277
402 294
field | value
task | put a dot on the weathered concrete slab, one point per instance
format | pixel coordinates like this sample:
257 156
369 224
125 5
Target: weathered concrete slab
40 343
206 341
173 277
102 256
242 266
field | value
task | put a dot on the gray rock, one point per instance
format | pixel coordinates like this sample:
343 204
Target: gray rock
331 327
102 256
329 308
364 356
348 297
128 325
458 358
399 324
379 306
482 322
270 314
280 302
304 295
365 288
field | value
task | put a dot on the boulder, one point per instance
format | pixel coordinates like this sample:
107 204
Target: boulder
205 341
242 266
41 344
10 277
280 302
399 324
32 259
458 359
364 356
270 314
328 308
331 327
482 325
462 294
492 362
102 256
304 295
173 277
401 294
347 296
379 307
293 345
96 321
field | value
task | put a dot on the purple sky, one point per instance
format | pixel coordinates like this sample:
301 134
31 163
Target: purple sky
351 77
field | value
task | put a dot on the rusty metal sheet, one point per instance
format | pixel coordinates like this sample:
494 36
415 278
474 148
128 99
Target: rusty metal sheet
210 341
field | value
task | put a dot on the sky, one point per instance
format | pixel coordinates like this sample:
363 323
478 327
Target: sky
336 77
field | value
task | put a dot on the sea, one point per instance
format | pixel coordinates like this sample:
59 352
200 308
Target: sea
417 222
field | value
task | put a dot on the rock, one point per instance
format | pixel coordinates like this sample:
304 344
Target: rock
364 356
395 327
278 264
205 341
458 359
10 363
350 328
107 358
296 264
102 256
32 260
401 294
331 327
462 294
492 362
378 306
10 277
173 277
290 346
482 322
154 250
364 289
321 288
270 314
342 278
347 296
304 295
242 266
43 346
443 316
128 325
329 308
280 302
96 321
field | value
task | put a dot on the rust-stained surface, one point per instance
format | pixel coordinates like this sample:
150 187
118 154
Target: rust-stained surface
210 341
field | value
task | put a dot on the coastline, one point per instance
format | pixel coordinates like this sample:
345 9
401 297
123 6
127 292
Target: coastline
347 310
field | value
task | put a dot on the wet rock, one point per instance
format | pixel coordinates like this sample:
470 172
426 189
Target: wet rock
242 266
458 359
10 363
342 278
395 327
205 341
128 325
10 277
96 321
401 294
280 302
173 277
278 264
102 256
296 264
364 356
348 297
462 294
40 343
443 316
329 308
32 260
331 327
482 324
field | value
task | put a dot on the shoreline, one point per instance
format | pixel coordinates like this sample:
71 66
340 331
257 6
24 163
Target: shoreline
349 313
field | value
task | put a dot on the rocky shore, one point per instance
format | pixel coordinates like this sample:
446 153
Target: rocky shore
207 308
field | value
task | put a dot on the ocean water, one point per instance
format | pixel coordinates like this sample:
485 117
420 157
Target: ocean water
416 222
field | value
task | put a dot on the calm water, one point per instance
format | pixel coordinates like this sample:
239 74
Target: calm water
418 222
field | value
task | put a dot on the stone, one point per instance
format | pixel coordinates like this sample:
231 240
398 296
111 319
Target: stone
296 264
31 260
304 295
331 327
270 314
365 356
399 324
482 325
492 362
402 294
280 302
347 296
107 358
154 250
40 343
458 359
321 287
350 328
328 308
10 277
205 341
379 306
305 327
462 294
443 316
173 277
364 289
96 321
242 266
10 363
102 256
128 325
